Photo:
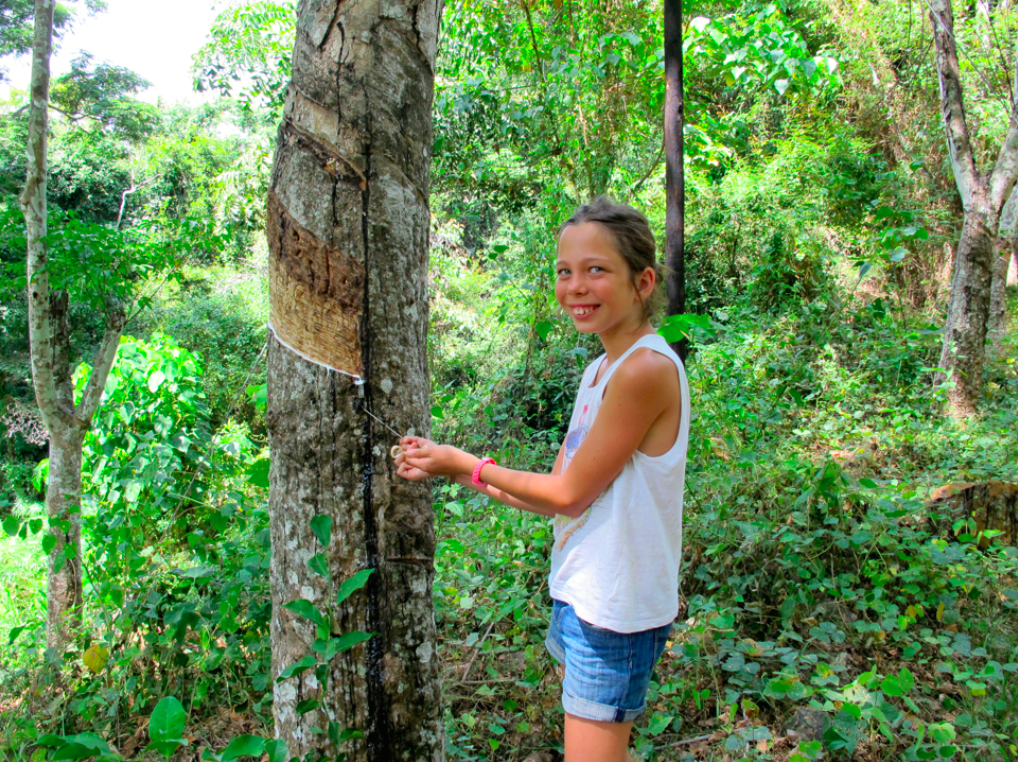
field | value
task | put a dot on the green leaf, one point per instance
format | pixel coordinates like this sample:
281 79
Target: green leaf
303 707
678 327
658 724
155 381
356 582
305 609
436 411
543 329
276 750
258 395
905 680
297 667
345 642
891 687
319 565
167 721
258 473
11 525
82 746
243 746
48 543
321 525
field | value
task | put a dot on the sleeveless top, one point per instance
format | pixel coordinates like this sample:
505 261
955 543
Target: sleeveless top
617 564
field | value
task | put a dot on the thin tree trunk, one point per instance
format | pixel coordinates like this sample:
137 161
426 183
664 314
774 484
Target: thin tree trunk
969 310
675 191
1012 270
983 197
348 235
64 598
49 340
47 314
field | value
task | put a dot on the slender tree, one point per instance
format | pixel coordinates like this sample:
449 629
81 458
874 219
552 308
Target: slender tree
348 230
51 361
675 180
983 194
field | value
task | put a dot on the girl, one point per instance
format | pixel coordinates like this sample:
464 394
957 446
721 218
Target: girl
615 492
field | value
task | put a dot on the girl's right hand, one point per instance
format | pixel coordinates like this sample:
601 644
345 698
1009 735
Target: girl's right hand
408 472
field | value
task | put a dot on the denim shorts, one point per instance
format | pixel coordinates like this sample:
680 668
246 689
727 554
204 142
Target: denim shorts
607 672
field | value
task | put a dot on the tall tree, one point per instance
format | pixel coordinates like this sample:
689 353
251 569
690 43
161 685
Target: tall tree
675 177
348 230
983 194
51 361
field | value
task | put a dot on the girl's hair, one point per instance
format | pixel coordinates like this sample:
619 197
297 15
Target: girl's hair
633 238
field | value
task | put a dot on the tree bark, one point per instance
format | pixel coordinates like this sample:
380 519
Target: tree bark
983 196
348 235
675 191
968 312
64 598
50 355
997 327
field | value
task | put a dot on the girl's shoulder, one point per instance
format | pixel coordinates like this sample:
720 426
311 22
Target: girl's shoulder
648 370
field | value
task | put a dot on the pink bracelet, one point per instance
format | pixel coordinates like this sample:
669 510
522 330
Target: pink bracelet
476 479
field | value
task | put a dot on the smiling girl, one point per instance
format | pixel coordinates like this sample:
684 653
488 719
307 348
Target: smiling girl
616 490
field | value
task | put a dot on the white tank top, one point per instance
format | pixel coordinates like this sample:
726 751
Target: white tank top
618 563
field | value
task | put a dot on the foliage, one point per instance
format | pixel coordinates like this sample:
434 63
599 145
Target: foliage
176 545
248 55
102 93
819 579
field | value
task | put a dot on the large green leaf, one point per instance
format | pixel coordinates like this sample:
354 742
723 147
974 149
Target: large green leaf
167 721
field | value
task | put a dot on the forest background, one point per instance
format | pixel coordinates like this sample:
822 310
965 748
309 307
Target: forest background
834 606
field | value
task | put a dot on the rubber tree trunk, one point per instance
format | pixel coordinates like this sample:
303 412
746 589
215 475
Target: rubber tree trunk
348 230
675 193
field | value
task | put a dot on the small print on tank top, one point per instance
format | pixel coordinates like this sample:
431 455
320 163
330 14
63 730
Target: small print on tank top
566 526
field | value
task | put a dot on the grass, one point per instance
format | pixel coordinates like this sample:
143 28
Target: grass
22 577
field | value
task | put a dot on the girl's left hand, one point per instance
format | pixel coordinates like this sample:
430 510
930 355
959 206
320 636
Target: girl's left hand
435 459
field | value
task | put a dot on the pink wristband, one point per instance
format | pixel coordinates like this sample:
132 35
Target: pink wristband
476 479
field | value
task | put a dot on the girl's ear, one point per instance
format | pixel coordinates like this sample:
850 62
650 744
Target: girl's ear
645 283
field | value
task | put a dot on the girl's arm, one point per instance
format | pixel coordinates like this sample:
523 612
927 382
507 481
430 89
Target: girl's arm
504 497
642 389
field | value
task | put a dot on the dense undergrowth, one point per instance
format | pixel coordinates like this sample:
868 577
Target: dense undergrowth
823 594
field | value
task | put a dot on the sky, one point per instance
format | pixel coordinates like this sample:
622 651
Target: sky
153 38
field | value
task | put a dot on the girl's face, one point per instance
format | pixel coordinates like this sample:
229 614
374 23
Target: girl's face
594 284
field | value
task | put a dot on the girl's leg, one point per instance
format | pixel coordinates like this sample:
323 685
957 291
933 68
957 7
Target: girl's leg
590 741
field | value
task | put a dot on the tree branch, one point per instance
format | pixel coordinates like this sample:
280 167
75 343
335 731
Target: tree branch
1005 170
952 109
115 320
